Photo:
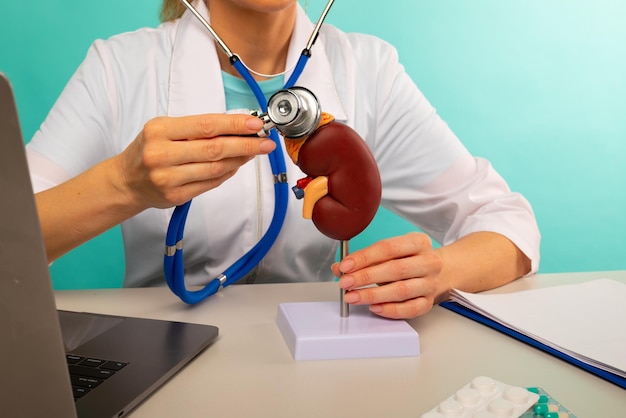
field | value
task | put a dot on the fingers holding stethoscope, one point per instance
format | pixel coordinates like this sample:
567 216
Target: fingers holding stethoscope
405 271
173 160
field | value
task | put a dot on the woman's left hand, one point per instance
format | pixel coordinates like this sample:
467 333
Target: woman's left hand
405 271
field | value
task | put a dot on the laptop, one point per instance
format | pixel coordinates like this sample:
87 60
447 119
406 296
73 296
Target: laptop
116 362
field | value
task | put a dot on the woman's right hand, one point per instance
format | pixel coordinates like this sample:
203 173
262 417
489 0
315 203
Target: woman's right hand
174 159
170 162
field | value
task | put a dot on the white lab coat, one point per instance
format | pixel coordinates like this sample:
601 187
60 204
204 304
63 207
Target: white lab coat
428 176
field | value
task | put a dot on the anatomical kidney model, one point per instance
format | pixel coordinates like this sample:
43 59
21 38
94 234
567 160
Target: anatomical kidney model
343 189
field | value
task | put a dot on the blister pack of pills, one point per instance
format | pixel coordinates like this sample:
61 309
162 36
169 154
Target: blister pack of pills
485 397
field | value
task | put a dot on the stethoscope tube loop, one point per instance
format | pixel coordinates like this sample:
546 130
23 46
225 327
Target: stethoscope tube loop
173 263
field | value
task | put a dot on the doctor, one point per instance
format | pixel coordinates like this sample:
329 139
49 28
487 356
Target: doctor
156 117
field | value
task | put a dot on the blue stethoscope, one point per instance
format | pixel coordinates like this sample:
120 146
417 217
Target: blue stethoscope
173 261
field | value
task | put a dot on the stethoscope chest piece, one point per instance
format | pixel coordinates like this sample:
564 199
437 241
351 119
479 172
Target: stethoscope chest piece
295 112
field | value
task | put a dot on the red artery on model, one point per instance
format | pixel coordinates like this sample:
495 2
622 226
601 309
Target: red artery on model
343 189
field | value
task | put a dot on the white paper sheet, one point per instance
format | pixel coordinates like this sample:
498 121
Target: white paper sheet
586 321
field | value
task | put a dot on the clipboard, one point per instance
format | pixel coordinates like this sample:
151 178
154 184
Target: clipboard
471 314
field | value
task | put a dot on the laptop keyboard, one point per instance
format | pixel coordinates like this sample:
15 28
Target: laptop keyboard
86 373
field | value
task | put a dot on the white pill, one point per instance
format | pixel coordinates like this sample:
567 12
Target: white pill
432 415
501 407
484 414
516 395
484 385
468 397
451 408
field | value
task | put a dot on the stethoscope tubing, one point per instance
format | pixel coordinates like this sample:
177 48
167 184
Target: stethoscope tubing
173 263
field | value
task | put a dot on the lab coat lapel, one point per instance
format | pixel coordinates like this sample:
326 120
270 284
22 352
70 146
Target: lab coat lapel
317 75
195 74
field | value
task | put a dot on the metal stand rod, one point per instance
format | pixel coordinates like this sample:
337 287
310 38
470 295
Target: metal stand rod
344 248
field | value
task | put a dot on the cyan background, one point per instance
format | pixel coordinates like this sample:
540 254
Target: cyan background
536 86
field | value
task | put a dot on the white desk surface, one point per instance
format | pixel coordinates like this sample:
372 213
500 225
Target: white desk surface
249 371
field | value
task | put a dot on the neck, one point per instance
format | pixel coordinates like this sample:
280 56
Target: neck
259 38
